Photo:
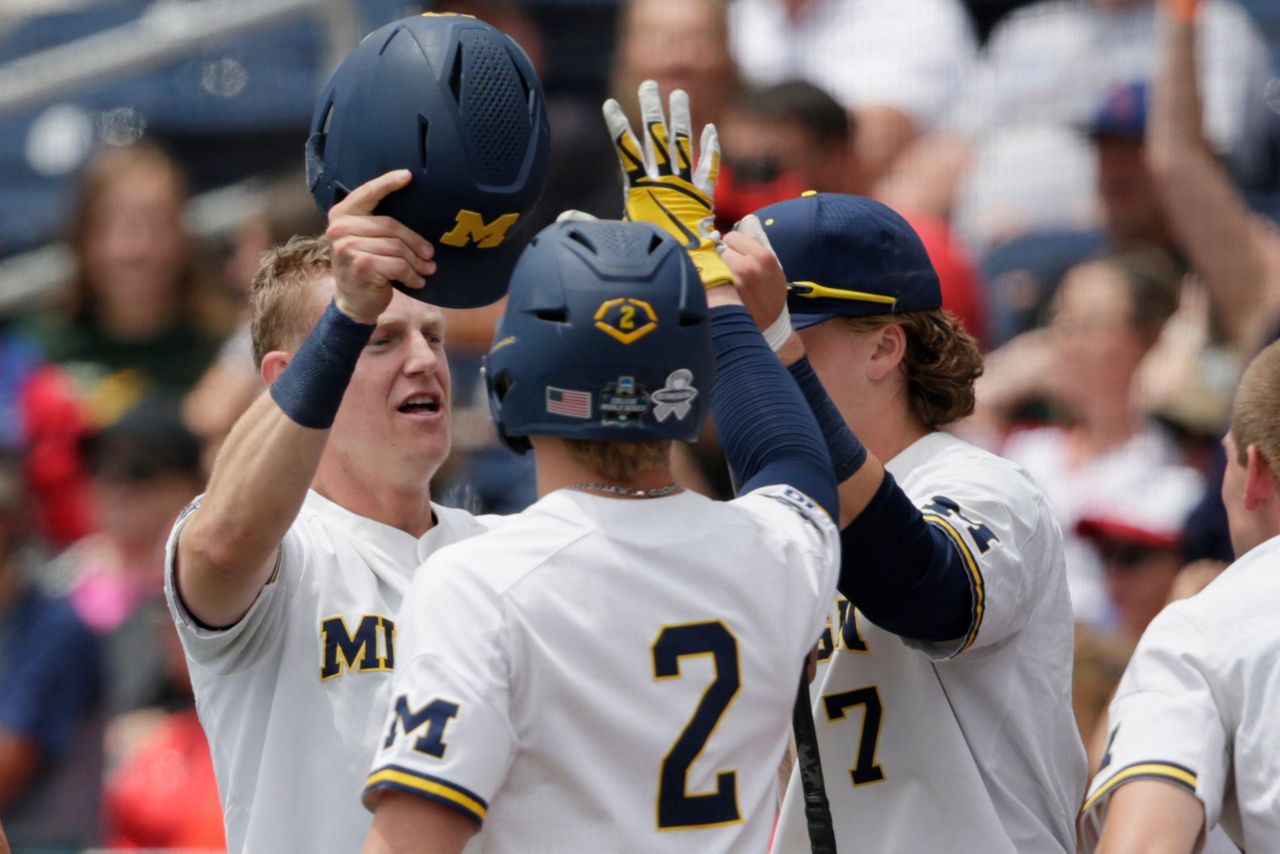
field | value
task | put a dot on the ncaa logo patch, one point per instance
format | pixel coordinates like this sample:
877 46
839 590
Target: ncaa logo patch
623 401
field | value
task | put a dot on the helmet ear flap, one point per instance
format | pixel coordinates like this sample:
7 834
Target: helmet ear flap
497 383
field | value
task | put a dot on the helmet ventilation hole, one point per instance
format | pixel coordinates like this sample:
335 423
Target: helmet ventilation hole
424 129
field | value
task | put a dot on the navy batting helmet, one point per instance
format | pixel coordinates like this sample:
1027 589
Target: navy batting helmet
606 336
456 102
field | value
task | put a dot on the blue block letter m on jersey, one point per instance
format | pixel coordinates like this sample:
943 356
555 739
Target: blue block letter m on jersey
435 715
370 647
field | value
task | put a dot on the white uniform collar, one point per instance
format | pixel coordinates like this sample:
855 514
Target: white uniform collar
400 547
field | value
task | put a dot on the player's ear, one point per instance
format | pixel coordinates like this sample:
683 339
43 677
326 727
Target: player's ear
273 365
890 350
1260 481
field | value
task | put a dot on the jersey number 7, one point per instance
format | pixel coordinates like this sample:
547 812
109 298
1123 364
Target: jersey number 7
676 807
864 770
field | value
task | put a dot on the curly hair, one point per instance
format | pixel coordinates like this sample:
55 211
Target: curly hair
941 364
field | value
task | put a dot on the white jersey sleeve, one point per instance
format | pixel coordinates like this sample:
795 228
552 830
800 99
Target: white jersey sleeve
812 535
225 650
1164 724
1005 535
455 688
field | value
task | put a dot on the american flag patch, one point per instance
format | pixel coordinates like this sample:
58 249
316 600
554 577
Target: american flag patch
563 401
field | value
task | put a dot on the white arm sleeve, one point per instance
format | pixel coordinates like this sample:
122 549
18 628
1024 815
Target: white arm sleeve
448 736
255 635
1164 724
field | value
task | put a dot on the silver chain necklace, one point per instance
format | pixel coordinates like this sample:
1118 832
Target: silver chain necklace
655 492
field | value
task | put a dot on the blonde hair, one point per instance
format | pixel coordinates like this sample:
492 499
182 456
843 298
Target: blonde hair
282 297
941 364
620 461
1255 414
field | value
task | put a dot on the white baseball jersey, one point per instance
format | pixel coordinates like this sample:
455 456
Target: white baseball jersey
612 675
1197 706
292 696
969 746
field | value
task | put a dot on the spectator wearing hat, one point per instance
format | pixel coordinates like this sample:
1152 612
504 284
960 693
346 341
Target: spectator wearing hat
50 748
1023 273
144 469
1138 535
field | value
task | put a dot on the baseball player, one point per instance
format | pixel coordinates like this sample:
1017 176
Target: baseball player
1193 740
285 576
613 669
943 699
284 579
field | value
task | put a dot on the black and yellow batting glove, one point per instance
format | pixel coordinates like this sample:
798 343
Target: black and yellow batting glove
660 184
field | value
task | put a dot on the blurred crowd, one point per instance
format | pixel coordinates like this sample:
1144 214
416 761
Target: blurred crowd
1083 184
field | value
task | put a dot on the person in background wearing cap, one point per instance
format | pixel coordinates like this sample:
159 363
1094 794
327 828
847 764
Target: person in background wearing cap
1139 540
1025 272
944 685
50 682
1194 743
143 470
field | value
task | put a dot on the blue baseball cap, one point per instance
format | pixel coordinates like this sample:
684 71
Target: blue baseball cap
1122 112
848 256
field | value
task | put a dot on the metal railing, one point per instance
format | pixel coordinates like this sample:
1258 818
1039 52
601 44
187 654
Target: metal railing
166 31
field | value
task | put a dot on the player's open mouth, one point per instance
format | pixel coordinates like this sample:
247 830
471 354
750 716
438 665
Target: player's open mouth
421 404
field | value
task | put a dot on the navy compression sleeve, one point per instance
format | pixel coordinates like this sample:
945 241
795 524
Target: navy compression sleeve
906 575
768 433
847 453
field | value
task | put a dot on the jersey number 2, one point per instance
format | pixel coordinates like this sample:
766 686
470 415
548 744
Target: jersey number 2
676 807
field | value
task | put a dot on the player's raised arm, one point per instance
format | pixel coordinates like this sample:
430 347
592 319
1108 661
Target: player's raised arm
767 431
228 545
1235 255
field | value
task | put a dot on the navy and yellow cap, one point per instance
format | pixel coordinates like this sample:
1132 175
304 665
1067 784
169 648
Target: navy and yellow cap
848 256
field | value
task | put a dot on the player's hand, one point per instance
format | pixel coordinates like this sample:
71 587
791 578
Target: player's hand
757 274
372 252
660 184
762 284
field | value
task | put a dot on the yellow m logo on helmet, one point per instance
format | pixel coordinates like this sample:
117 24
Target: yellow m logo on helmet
470 228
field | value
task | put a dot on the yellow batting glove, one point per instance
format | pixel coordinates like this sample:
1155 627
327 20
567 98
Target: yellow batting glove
660 185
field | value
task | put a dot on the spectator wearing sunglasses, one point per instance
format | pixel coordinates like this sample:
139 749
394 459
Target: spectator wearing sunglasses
1138 536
